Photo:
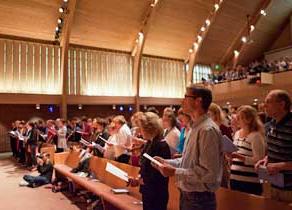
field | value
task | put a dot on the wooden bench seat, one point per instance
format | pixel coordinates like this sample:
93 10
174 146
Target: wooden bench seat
64 162
121 201
226 199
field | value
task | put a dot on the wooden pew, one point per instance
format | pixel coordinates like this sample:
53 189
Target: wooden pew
226 199
229 199
64 163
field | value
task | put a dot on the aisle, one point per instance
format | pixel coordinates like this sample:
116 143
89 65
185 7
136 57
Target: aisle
24 198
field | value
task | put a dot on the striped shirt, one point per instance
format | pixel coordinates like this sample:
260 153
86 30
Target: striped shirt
279 139
253 148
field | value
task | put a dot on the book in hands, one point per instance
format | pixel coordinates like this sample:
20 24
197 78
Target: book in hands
276 179
156 162
227 145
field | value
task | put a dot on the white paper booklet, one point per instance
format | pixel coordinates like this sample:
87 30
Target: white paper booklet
228 145
156 162
117 172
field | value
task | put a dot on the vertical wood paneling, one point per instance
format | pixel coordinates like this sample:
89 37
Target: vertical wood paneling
2 61
30 64
78 72
56 68
9 65
43 67
50 72
23 84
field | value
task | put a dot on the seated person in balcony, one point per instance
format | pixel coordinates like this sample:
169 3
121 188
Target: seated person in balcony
153 186
45 168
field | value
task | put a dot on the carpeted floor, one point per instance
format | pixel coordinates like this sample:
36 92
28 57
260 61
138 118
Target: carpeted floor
13 197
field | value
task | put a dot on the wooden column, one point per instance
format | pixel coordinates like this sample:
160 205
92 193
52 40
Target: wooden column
137 51
64 44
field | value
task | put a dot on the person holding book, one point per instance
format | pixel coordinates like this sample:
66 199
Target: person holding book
198 172
153 186
250 142
279 140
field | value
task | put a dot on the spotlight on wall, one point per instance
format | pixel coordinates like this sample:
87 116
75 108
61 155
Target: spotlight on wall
121 108
244 39
145 107
37 106
60 21
263 12
199 38
196 45
79 106
65 1
61 10
130 108
203 28
114 107
208 22
236 53
216 6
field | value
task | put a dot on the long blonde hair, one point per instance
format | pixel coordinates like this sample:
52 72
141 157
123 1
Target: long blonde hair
251 117
217 112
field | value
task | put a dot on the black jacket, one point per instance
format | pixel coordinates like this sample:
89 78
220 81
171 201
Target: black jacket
153 180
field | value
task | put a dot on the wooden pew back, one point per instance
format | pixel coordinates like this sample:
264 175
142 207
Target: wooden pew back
98 165
50 150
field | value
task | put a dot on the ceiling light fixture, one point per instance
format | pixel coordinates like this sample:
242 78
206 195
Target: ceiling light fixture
216 6
208 22
61 10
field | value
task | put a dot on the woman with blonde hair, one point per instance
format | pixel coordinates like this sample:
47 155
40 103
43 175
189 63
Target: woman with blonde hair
217 115
250 141
153 186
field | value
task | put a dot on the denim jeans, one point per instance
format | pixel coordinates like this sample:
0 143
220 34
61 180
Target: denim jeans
197 201
37 180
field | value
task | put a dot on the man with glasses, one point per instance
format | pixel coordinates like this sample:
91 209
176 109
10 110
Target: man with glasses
199 171
279 140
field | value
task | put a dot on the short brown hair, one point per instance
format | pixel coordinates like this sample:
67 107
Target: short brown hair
204 93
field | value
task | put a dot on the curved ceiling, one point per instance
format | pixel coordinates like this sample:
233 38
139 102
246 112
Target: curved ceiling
29 18
114 24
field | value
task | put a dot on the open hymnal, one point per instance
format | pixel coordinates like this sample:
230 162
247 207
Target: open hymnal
156 162
276 179
117 172
227 145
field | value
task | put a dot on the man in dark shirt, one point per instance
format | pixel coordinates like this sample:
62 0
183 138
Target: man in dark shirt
45 168
279 140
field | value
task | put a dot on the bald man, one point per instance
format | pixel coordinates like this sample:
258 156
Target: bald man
279 140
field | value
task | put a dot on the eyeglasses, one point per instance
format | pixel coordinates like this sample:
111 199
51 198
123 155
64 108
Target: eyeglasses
191 96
